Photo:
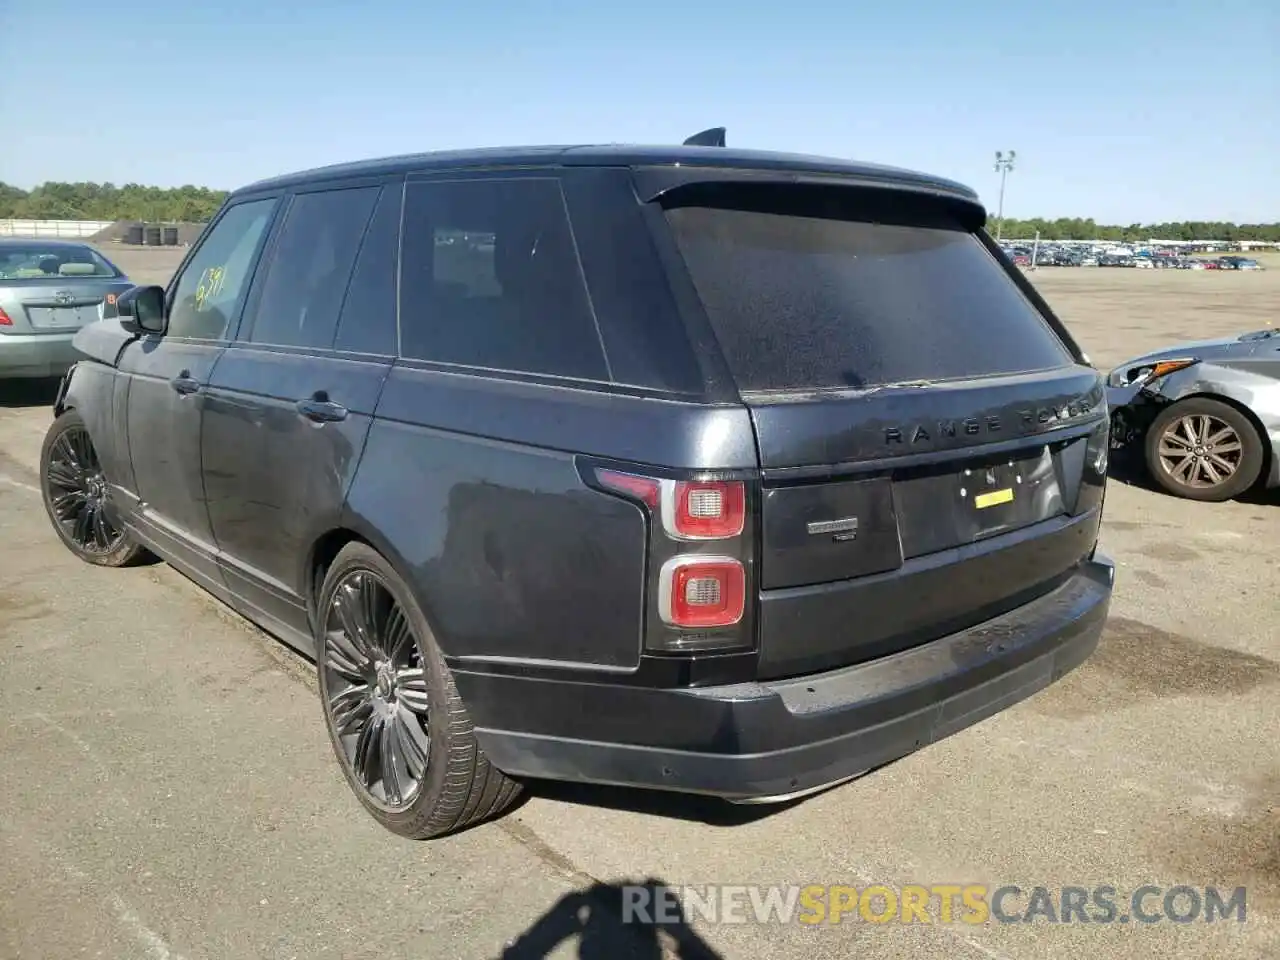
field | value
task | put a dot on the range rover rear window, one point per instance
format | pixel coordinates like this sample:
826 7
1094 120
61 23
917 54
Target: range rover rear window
805 302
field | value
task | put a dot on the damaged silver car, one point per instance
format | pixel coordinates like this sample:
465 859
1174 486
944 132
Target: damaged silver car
1206 414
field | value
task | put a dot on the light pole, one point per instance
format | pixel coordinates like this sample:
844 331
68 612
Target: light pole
1004 163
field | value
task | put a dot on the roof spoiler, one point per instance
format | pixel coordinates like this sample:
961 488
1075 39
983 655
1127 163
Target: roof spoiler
712 137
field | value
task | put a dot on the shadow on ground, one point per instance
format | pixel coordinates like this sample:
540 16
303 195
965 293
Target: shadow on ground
711 811
28 393
614 922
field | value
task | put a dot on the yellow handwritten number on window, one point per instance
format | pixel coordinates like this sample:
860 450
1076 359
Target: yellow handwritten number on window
211 283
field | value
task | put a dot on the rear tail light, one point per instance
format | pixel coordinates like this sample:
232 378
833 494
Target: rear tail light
700 592
711 510
699 563
5 319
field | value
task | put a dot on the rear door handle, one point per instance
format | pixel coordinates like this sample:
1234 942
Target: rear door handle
184 383
320 409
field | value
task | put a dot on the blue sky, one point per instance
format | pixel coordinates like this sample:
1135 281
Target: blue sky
1136 110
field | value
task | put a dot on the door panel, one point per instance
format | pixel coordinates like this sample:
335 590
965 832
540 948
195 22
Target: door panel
276 478
286 417
164 444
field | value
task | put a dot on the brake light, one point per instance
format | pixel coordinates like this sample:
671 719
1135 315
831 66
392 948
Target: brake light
699 559
701 592
713 510
5 320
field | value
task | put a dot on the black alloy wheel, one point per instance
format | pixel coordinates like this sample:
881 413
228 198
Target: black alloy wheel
376 694
77 496
400 731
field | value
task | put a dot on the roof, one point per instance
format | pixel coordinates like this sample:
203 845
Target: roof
615 155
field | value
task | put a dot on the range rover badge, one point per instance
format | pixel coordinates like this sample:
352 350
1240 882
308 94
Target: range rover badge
845 529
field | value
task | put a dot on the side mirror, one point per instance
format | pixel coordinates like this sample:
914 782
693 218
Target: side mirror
141 309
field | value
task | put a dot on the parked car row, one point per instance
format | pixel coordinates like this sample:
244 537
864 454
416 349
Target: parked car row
1050 255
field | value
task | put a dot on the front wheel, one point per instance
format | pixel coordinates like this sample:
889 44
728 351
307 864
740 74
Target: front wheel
1204 449
77 496
401 732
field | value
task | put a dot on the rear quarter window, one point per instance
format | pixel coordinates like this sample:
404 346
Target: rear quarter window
812 302
490 278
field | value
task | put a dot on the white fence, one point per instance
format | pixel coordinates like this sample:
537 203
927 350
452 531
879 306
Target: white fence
70 229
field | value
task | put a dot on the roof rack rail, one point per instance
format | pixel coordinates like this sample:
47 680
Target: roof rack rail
713 137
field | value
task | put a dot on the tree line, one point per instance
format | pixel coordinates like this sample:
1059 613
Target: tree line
191 204
106 201
1074 228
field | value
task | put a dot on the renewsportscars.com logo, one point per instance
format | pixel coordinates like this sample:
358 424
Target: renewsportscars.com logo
937 903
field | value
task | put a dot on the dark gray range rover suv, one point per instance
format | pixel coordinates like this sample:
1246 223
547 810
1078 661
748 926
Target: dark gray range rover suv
688 468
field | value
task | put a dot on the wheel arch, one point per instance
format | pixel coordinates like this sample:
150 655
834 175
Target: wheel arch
325 549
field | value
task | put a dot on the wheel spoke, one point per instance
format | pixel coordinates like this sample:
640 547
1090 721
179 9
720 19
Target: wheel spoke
1209 473
68 505
414 744
1203 425
342 656
1226 433
1222 463
397 637
392 762
102 533
1182 469
411 687
64 475
350 708
346 601
366 756
1188 430
67 452
1172 437
82 525
367 590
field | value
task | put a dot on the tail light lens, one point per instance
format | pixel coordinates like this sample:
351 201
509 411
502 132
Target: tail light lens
5 319
699 592
712 510
700 561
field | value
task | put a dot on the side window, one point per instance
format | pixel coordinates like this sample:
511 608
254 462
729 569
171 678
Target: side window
309 270
490 278
368 320
212 286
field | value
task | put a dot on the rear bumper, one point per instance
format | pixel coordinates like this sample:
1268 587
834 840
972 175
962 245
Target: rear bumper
756 741
36 354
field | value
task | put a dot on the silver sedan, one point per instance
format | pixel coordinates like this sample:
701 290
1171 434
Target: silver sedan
1206 414
49 289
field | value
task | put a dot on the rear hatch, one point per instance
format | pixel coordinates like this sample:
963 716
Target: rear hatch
932 445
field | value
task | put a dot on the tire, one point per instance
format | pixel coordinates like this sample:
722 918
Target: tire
76 496
380 672
1201 472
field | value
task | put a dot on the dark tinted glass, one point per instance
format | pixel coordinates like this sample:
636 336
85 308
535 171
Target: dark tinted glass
490 278
368 320
212 286
310 268
642 327
804 302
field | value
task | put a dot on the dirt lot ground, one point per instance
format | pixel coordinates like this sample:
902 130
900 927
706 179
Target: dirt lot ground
168 790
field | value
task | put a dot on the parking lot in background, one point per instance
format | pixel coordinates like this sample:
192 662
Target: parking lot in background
169 790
